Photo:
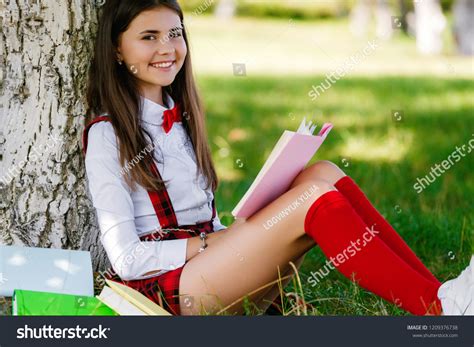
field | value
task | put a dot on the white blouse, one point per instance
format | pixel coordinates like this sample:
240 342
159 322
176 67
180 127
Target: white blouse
124 215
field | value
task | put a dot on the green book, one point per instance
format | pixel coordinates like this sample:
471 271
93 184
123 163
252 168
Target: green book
33 303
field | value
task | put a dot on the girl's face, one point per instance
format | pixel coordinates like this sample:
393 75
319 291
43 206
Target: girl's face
153 49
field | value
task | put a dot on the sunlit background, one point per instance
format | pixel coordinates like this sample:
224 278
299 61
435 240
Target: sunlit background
402 107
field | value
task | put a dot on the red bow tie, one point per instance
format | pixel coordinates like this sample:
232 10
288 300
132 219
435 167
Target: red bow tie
171 116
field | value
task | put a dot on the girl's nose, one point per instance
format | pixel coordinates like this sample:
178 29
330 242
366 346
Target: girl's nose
166 50
165 47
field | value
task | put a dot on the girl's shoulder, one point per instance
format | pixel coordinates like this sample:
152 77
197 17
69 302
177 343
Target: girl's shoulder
99 140
99 136
102 162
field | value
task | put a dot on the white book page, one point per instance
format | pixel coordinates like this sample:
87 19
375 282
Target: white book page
118 304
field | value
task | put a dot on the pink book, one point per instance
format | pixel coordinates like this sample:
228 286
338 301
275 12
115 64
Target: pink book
288 158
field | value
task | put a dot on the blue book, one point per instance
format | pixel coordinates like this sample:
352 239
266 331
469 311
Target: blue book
50 270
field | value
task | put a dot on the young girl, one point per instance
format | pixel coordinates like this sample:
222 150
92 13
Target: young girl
152 182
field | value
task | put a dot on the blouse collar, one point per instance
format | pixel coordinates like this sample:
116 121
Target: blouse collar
152 112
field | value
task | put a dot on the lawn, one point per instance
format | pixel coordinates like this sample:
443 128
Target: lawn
246 116
432 94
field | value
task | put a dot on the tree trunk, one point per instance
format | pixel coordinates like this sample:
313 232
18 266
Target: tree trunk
360 18
225 9
46 47
463 13
430 23
383 16
402 6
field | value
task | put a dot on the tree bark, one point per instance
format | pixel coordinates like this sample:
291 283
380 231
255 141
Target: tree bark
46 47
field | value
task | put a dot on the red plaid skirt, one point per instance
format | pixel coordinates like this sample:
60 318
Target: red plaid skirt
164 289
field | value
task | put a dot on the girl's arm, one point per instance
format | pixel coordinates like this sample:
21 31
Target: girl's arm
130 258
194 243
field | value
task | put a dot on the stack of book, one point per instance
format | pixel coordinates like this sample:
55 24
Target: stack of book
57 282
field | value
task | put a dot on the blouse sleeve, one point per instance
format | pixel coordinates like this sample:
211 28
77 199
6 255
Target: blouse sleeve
130 258
217 223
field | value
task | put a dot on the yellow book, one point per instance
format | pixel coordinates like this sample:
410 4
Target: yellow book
127 301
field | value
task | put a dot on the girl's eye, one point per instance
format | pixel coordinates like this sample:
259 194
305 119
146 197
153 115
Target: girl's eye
147 37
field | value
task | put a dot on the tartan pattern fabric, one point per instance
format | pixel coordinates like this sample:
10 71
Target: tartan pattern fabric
164 289
162 204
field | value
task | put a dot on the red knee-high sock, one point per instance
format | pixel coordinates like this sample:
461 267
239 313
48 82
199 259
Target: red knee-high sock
371 216
360 254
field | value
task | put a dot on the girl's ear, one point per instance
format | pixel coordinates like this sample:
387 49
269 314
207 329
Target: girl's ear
119 56
117 50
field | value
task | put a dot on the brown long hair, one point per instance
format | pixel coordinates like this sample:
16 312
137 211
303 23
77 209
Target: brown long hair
113 89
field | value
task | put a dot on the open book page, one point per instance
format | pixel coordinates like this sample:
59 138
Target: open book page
118 303
138 299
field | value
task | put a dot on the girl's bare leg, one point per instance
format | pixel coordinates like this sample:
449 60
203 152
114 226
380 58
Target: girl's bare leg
321 170
246 256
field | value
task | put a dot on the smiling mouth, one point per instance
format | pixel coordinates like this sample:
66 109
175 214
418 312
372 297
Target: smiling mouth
163 65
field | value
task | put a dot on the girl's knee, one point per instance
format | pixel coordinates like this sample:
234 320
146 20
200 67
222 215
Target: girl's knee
327 171
322 170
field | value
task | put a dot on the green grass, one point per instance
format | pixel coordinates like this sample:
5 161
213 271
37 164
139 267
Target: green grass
246 116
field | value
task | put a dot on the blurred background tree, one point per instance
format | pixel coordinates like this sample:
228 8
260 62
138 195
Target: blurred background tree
427 18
